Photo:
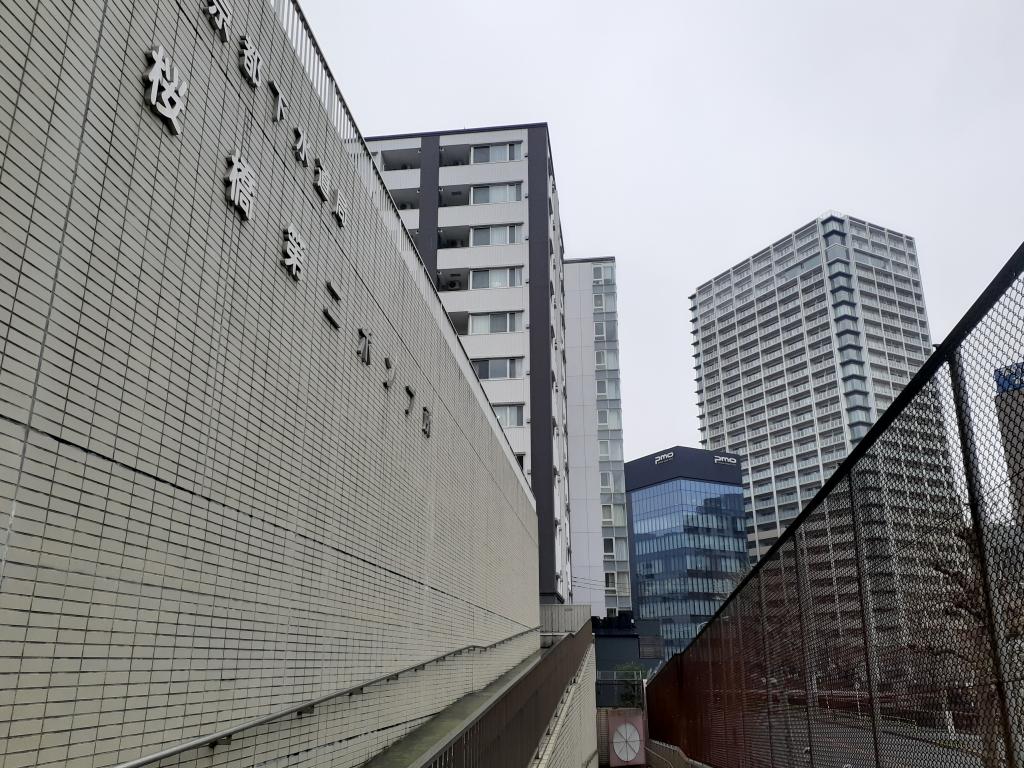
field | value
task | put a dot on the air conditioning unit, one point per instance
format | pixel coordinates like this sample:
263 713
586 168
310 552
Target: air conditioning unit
454 285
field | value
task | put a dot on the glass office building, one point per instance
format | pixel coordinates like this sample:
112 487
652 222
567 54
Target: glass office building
688 538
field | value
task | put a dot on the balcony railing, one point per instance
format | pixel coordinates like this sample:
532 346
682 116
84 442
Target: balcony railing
885 627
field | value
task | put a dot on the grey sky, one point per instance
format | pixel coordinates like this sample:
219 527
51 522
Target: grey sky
687 136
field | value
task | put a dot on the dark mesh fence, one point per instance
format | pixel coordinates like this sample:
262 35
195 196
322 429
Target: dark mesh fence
886 627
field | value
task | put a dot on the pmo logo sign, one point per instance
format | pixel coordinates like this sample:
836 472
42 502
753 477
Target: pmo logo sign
662 457
724 460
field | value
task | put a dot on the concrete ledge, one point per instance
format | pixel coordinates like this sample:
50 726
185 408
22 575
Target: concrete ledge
420 746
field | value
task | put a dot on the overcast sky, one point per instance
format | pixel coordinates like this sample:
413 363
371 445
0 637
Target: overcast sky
687 136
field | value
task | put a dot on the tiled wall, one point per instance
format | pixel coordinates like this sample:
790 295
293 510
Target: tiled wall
210 508
572 739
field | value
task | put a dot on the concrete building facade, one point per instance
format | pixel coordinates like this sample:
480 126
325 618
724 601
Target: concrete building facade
687 538
797 351
482 205
596 474
245 459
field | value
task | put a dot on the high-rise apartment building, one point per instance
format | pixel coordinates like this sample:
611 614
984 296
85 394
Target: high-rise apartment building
798 349
483 207
1009 404
687 538
596 474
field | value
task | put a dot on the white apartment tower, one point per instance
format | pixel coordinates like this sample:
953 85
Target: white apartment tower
597 484
483 207
797 350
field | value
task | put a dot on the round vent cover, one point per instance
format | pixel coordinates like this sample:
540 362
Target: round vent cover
626 741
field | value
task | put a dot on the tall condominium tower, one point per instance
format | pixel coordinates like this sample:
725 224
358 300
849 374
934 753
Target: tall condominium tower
1009 404
483 208
596 473
798 349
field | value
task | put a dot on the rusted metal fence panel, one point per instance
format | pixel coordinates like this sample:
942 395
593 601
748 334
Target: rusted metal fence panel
886 626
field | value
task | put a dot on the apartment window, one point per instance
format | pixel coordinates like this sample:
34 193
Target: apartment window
502 277
606 513
608 389
609 582
499 368
496 322
497 153
509 414
497 193
501 234
610 450
604 302
620 551
613 482
605 330
609 549
604 273
607 358
609 418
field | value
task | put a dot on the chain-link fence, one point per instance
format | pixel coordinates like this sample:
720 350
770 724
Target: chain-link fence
620 689
886 627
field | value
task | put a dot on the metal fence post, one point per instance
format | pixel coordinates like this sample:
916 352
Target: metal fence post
974 502
737 680
767 669
865 610
742 680
809 681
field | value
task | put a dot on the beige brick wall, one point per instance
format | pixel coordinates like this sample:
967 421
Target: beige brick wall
571 741
209 507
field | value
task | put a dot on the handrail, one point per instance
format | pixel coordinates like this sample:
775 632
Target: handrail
305 707
518 730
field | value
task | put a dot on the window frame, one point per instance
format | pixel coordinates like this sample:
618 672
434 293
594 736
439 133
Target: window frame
513 152
513 234
515 326
518 408
513 277
608 544
513 192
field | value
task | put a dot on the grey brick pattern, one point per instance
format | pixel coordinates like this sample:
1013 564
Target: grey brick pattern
209 507
572 735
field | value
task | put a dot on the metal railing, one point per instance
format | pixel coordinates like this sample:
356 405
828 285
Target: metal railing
886 626
303 708
304 45
507 733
